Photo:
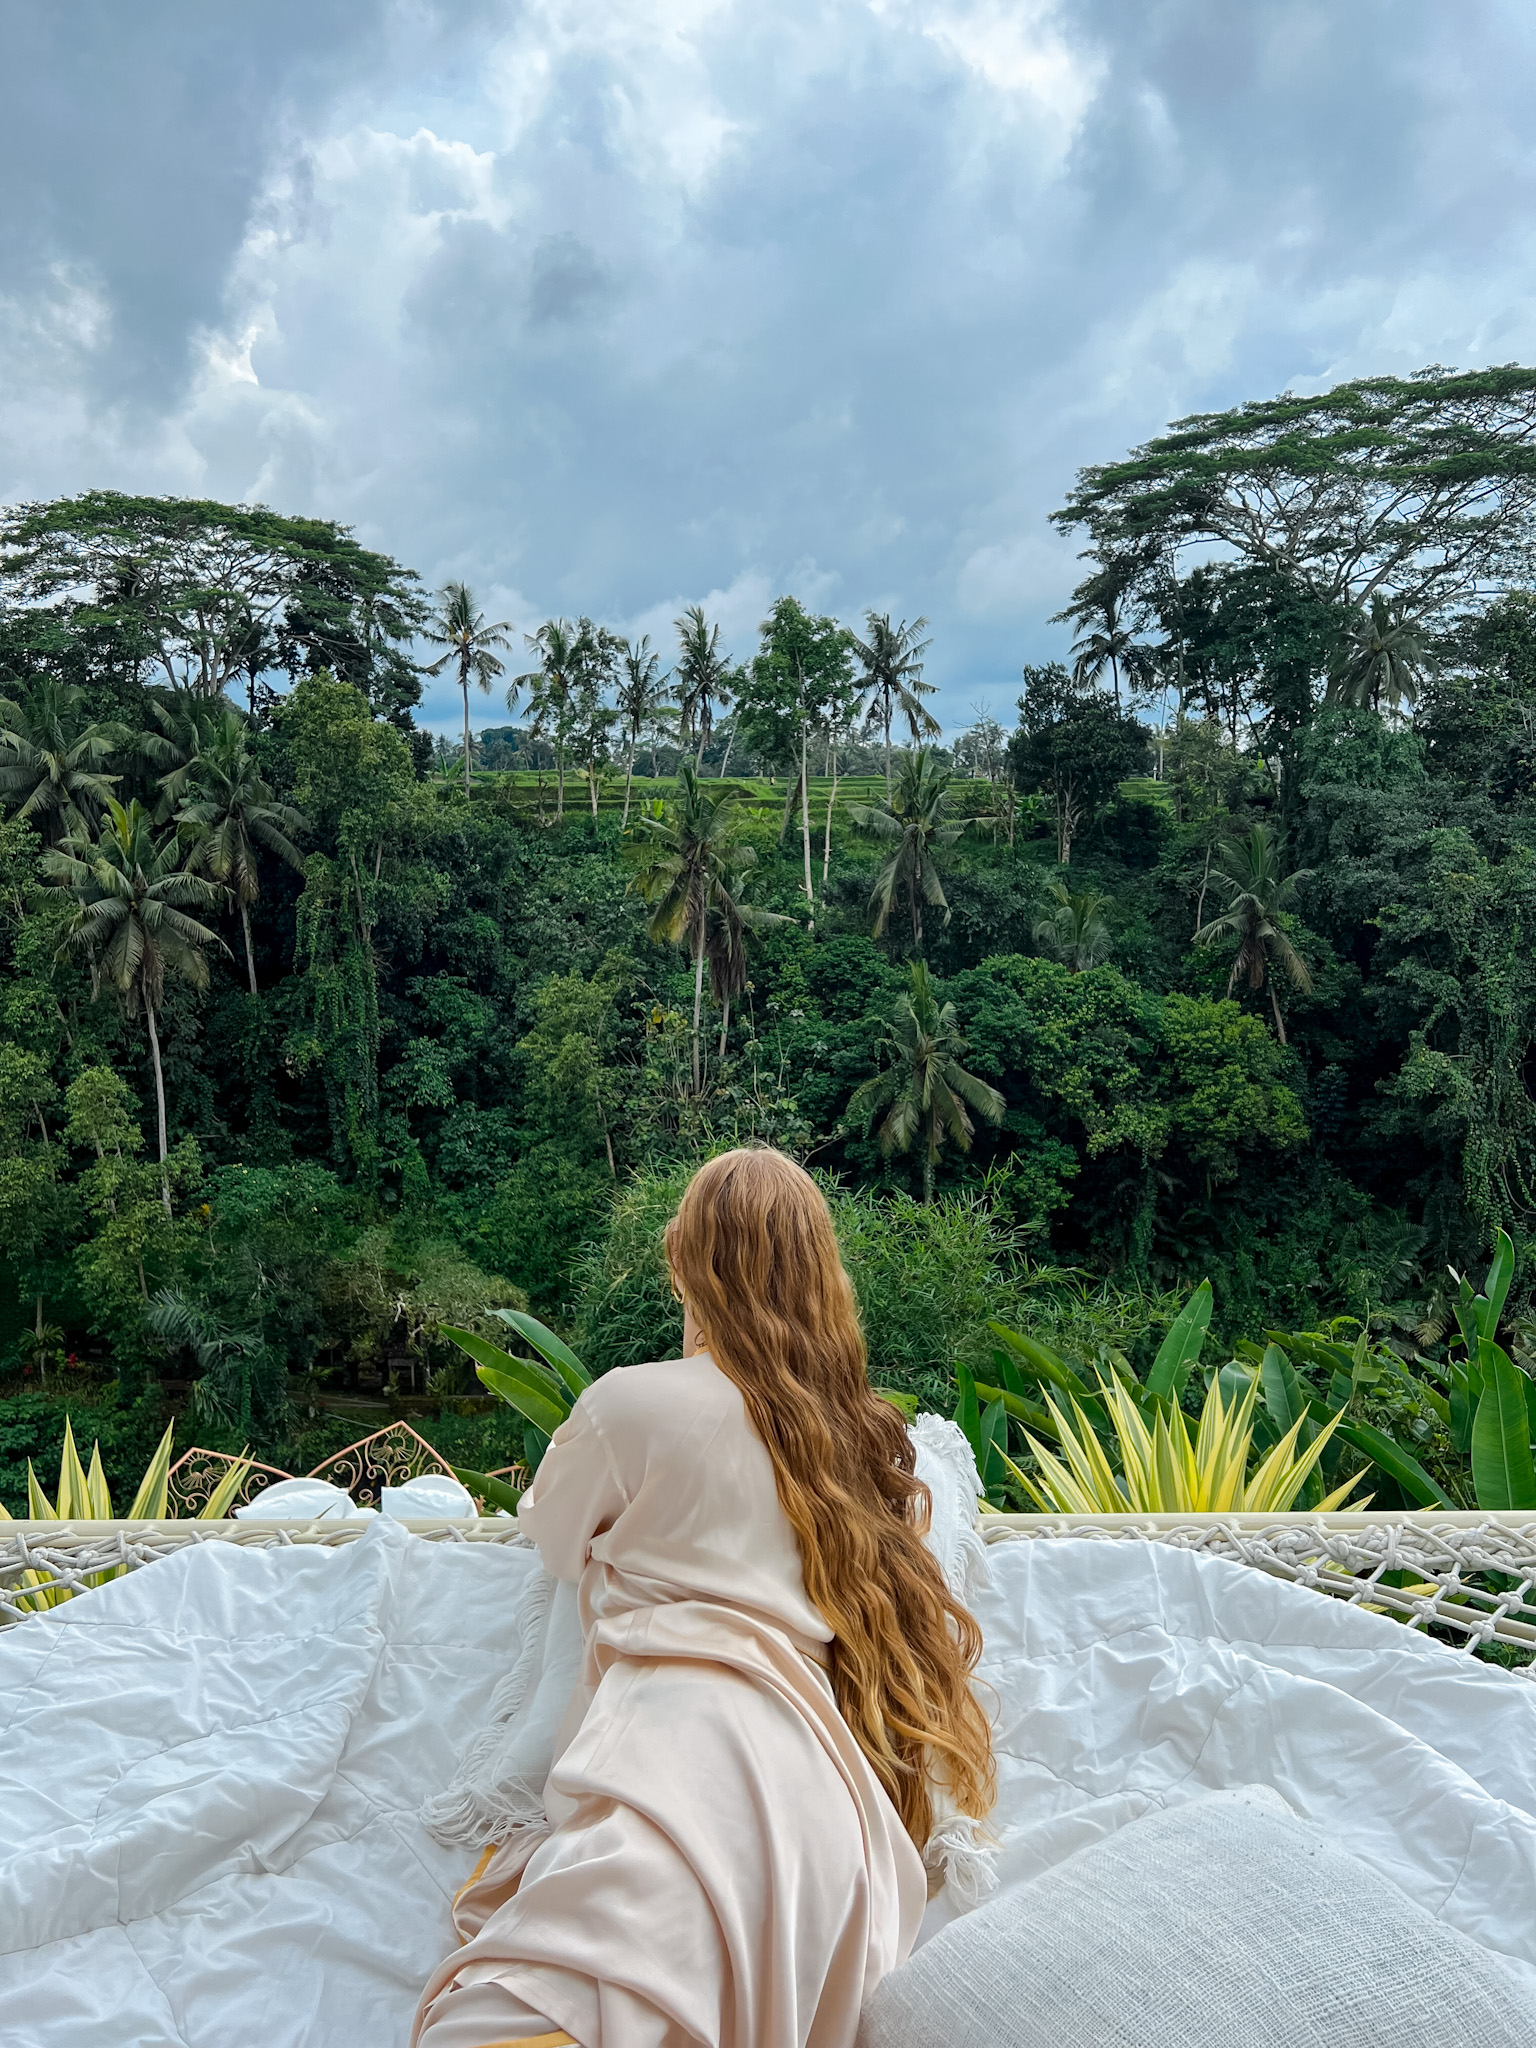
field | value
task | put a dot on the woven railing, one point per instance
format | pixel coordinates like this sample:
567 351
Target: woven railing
1467 1578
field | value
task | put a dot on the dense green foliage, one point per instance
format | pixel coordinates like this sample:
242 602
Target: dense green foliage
1234 933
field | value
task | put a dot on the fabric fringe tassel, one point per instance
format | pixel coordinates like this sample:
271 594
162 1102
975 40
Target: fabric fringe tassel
478 1807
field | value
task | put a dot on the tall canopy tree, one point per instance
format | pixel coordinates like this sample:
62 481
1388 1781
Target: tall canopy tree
470 645
1075 747
1260 892
642 698
688 878
891 658
553 689
133 921
1422 488
925 1093
225 810
53 758
915 824
703 676
796 681
196 591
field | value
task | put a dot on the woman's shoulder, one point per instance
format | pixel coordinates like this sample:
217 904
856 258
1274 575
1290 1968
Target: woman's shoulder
666 1393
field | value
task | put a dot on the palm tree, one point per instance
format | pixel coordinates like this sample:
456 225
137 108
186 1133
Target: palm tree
229 812
731 919
52 758
1382 654
1075 932
914 822
552 688
924 1090
130 921
1253 870
892 661
470 645
702 674
690 875
642 696
1106 644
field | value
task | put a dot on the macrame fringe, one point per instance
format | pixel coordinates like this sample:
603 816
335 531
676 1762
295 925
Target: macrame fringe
477 1806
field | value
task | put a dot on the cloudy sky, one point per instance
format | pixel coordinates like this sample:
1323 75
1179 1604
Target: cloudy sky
616 305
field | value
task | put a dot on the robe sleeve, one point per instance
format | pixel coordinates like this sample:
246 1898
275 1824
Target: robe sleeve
576 1494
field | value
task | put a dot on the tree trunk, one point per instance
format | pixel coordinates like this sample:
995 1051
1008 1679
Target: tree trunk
154 1054
41 1367
887 746
730 741
1274 1004
464 683
250 957
826 843
928 1171
698 1004
805 829
592 783
559 781
791 791
629 776
1204 884
725 1025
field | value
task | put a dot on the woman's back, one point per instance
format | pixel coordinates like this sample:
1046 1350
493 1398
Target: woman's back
658 1490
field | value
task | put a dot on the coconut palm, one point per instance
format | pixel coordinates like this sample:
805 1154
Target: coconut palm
1382 654
690 875
1253 871
470 648
552 690
730 922
915 822
702 674
52 758
892 661
1106 644
226 810
132 921
643 696
1074 932
924 1091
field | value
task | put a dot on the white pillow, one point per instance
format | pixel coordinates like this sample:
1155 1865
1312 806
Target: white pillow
1225 1923
302 1500
429 1497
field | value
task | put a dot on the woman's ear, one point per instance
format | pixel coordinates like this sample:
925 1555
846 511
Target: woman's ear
694 1339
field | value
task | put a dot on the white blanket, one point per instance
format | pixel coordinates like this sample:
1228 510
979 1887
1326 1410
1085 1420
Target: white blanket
211 1771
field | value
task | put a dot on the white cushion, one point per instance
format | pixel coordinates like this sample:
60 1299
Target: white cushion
302 1500
1224 1923
430 1497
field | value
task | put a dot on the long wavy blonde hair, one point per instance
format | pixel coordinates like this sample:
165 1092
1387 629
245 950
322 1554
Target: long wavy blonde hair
753 1255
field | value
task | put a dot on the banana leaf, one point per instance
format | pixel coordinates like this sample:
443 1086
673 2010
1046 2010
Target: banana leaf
1019 1406
1502 1471
494 1492
1043 1362
1490 1303
1397 1463
535 1392
1180 1349
549 1346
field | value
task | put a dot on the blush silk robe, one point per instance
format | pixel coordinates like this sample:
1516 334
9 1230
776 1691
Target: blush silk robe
724 1866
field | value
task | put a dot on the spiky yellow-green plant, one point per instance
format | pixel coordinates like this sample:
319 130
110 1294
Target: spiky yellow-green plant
1164 1473
83 1496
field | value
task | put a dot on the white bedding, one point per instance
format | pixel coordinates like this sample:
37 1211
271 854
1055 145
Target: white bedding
211 1771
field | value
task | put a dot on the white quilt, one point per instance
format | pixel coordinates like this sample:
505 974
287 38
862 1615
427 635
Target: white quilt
211 1771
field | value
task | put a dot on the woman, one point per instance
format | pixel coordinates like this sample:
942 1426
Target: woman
775 1674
